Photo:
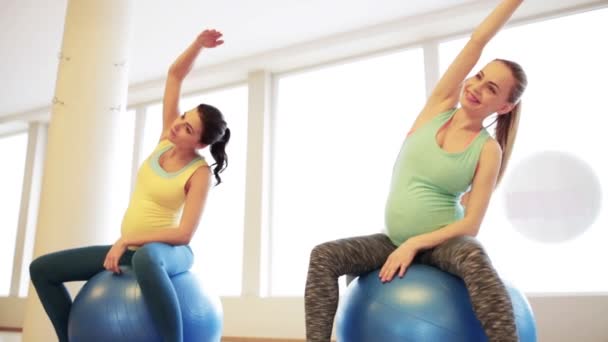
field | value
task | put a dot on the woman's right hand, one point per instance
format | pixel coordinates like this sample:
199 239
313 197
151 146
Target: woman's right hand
210 38
111 263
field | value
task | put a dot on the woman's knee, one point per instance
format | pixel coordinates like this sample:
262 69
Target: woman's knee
465 243
323 253
456 253
148 255
468 249
325 259
157 255
40 267
37 268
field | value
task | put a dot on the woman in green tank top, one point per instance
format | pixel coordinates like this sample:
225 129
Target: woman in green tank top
449 124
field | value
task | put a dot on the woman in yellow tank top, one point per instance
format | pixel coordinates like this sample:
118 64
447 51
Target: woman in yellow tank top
154 238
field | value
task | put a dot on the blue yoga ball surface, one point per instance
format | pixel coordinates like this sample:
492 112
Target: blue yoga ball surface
427 304
110 307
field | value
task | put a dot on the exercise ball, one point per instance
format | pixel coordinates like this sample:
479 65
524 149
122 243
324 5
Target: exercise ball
427 304
111 307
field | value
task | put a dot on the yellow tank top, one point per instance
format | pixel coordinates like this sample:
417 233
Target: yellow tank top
158 196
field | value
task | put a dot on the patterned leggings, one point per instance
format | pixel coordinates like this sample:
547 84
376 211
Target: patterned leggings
461 256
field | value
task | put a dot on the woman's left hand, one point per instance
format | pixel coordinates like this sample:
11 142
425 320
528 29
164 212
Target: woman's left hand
114 255
464 200
399 260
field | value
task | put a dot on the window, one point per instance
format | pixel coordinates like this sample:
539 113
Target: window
217 245
152 130
338 133
13 148
550 213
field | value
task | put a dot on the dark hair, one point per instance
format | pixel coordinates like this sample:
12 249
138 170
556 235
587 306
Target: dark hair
216 134
506 124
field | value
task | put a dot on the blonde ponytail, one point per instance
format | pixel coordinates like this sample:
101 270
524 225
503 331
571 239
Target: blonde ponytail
506 124
505 133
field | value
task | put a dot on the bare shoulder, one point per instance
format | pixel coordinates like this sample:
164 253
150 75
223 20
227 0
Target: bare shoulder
200 179
201 174
491 152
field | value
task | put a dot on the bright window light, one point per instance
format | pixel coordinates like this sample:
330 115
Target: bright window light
338 132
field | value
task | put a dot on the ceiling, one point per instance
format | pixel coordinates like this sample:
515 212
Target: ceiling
31 33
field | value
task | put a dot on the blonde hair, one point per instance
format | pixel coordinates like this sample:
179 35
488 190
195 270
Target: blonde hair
507 124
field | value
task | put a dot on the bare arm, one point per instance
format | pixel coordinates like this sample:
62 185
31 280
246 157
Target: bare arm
178 71
193 209
482 187
196 197
446 92
481 192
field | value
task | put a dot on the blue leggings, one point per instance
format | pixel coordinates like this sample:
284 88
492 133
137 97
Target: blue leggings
153 265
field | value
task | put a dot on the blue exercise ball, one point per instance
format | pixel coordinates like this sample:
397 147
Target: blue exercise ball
111 307
427 304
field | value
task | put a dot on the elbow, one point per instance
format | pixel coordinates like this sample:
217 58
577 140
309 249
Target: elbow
472 232
471 227
176 72
173 70
183 238
478 40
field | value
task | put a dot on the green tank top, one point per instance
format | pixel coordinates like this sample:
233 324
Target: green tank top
427 182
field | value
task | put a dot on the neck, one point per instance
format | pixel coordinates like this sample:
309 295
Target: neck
181 153
463 119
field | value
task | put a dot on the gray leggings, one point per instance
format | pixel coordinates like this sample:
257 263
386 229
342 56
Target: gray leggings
461 256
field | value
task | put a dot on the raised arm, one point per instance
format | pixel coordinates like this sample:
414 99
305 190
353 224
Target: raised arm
178 71
447 91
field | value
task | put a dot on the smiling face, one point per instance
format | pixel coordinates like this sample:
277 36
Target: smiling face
186 130
489 90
